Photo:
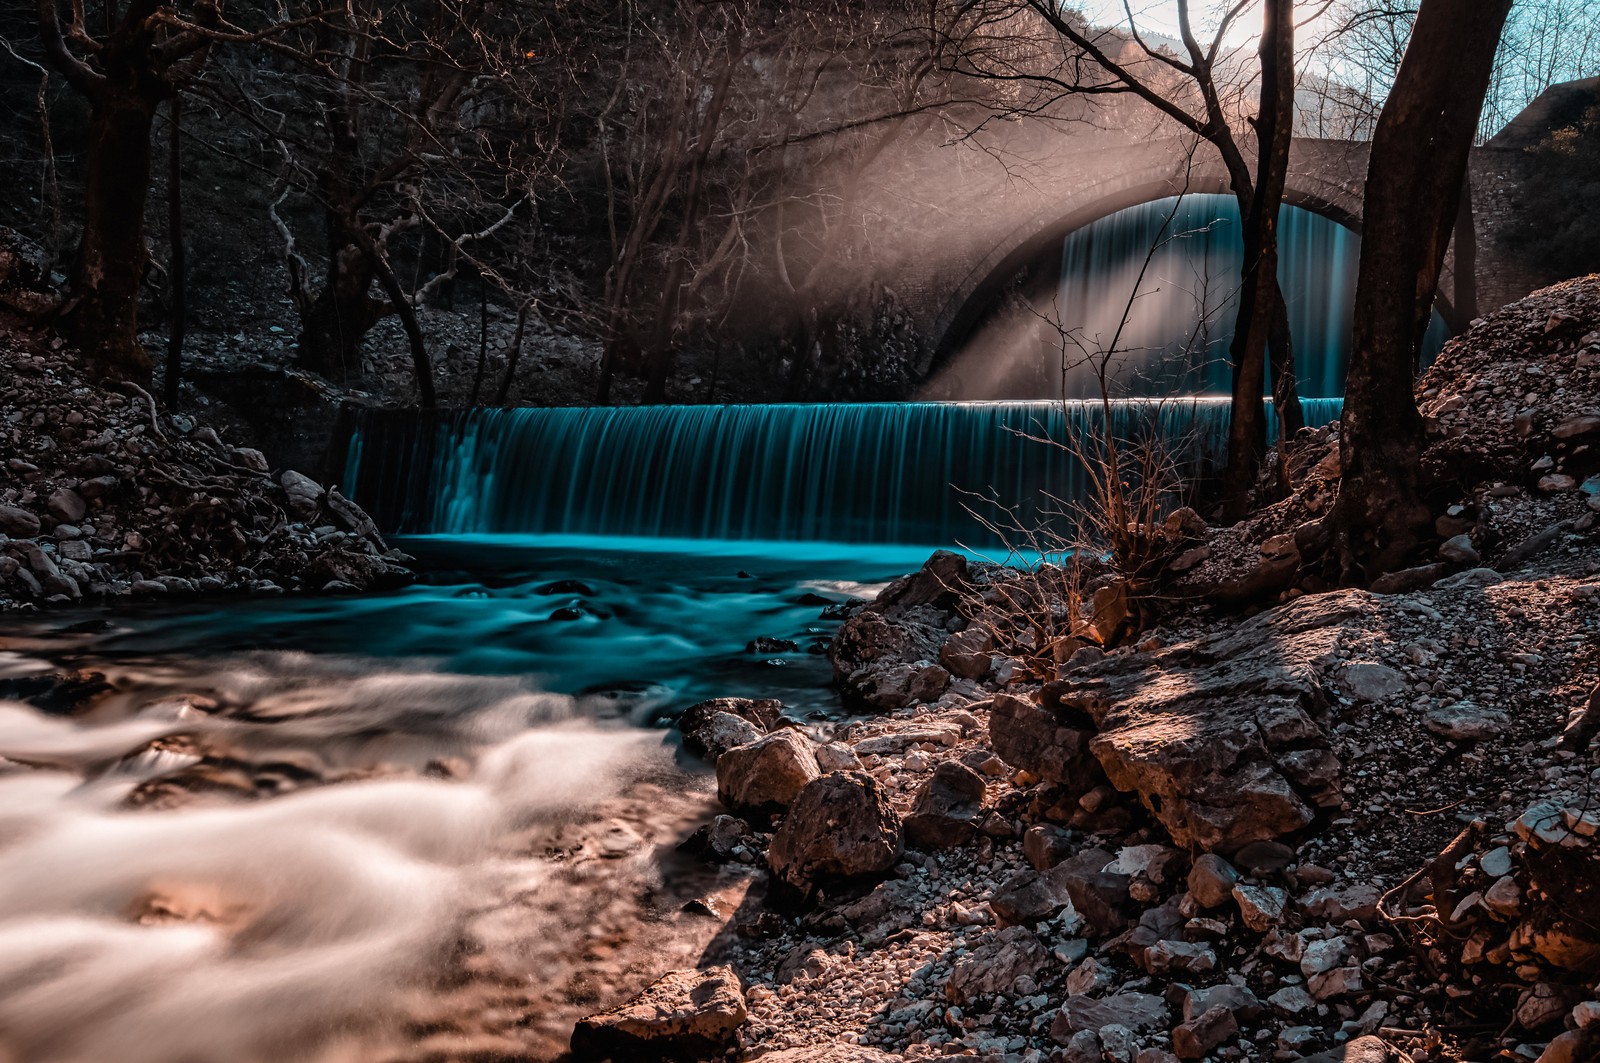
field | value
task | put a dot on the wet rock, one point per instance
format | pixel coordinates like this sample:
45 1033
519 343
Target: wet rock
766 644
766 776
717 732
764 713
840 827
947 808
995 965
685 1015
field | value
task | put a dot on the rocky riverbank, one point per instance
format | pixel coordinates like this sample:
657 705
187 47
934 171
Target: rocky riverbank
104 497
1285 822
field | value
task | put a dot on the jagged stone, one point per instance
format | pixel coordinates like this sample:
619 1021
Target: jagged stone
685 1015
947 808
840 827
765 776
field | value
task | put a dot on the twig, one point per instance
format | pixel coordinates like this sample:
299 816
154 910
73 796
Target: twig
155 425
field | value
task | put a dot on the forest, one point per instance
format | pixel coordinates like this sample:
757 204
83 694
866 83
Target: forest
817 531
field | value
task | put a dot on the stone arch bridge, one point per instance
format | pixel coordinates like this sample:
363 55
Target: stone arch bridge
988 223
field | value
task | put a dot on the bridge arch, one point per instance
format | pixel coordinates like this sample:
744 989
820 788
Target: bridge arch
1325 177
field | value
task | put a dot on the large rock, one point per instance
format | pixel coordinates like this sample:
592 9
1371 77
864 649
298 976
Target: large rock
766 776
1038 740
718 732
1139 1012
840 827
303 494
764 713
969 653
884 655
18 523
995 964
685 1015
947 808
1219 737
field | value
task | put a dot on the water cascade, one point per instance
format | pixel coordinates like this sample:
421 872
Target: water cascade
862 473
1179 325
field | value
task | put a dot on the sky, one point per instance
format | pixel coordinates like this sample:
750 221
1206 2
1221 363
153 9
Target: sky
1161 16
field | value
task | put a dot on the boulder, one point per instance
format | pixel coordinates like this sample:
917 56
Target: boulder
764 713
1140 1012
766 776
841 827
685 1015
1038 740
717 733
18 523
947 808
1219 737
304 495
994 965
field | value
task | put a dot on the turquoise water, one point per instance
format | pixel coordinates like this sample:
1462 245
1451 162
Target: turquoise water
892 473
636 628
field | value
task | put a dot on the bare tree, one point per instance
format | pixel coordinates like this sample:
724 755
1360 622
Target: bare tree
125 60
1197 91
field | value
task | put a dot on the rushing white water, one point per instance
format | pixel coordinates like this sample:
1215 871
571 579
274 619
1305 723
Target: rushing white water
151 911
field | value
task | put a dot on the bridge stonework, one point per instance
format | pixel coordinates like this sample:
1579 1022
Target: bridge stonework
995 216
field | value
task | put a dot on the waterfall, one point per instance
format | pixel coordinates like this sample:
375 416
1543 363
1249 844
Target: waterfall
1159 281
865 473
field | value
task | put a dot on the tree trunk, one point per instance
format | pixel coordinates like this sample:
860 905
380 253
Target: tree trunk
1414 178
1260 300
333 327
177 269
1285 382
102 316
